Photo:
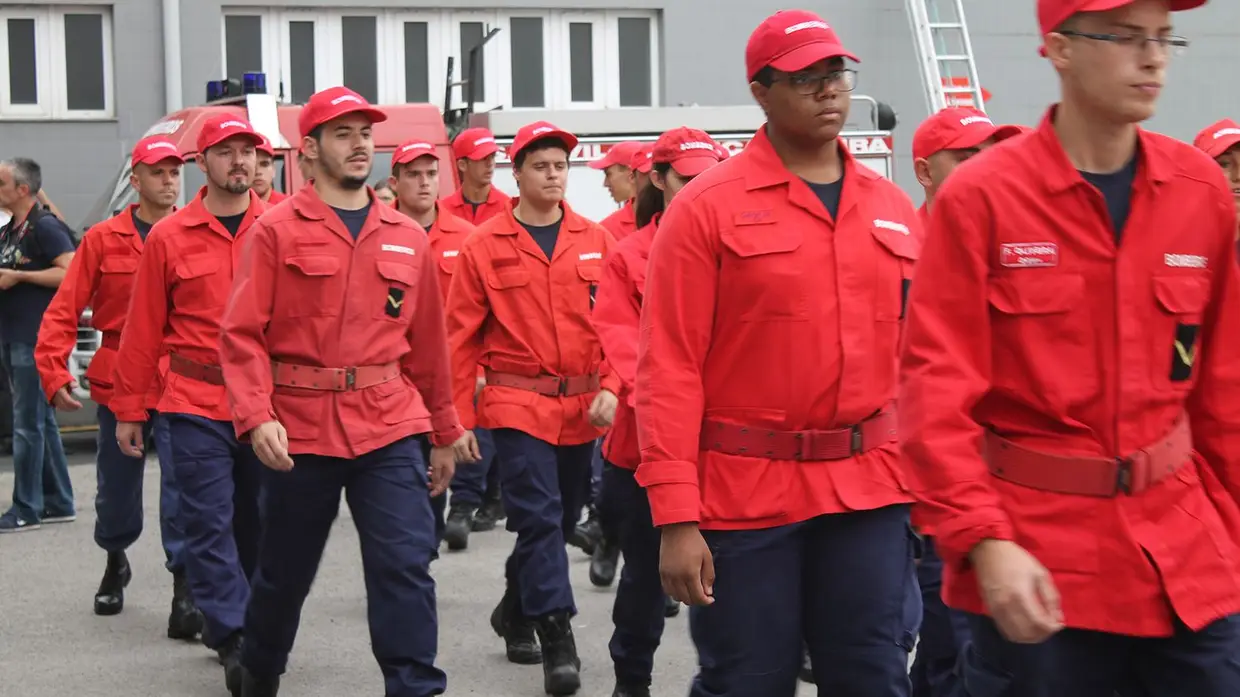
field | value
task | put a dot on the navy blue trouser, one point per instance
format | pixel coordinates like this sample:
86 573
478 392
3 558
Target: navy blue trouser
388 496
118 497
468 483
638 611
1079 663
845 583
596 474
944 632
544 487
219 481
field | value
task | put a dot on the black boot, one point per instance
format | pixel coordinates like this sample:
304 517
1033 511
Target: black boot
671 606
807 670
230 657
561 666
456 530
184 621
604 561
586 535
110 598
489 515
520 643
258 687
623 690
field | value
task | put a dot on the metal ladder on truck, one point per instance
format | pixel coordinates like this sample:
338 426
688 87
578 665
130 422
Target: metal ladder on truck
949 71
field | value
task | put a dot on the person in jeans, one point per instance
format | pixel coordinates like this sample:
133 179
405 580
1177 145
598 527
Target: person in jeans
35 250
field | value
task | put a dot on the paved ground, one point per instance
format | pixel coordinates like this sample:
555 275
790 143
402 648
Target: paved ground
52 645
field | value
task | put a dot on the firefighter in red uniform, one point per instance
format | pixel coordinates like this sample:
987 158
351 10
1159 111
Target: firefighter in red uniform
520 307
619 181
182 283
640 607
101 277
264 175
415 179
941 143
765 380
1069 411
1222 142
335 358
477 200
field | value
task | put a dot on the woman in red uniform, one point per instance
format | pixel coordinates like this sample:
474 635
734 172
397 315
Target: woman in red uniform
679 155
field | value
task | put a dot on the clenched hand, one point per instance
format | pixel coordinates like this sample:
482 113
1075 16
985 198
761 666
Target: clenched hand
686 566
270 442
443 466
1018 591
603 409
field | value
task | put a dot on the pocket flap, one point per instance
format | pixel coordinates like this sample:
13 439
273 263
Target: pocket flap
1025 294
396 272
511 277
447 265
898 243
1182 294
752 242
196 267
316 265
119 264
590 272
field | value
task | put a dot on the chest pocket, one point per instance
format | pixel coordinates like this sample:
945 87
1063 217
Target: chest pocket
1040 324
201 282
1176 329
119 265
399 293
894 273
448 264
314 286
759 273
589 275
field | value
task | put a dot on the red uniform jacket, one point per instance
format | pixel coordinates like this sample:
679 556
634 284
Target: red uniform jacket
617 316
446 236
757 313
496 203
100 277
514 312
183 281
307 294
1072 355
622 223
274 197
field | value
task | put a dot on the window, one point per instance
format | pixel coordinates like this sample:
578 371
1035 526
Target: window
56 63
539 59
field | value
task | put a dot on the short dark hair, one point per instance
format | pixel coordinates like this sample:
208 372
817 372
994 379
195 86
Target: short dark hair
649 201
26 171
765 76
537 145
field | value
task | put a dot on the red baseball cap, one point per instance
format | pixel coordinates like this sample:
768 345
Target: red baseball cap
331 104
643 159
957 128
618 154
792 40
688 150
265 146
539 130
1053 13
1218 138
413 150
221 127
474 144
154 150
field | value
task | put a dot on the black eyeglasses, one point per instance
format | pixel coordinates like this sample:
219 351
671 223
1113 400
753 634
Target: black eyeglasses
1173 45
844 80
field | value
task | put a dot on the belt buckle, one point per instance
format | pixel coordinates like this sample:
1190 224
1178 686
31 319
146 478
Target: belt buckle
1123 476
855 440
350 377
561 387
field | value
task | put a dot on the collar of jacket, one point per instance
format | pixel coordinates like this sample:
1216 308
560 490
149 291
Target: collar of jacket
765 169
570 222
1060 175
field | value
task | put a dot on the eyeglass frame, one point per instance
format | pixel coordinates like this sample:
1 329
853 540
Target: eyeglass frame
1171 44
822 79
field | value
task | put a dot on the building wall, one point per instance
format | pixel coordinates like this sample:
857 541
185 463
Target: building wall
701 49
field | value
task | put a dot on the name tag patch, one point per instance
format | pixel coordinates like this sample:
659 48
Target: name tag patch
1184 261
888 225
589 255
451 253
396 248
1029 255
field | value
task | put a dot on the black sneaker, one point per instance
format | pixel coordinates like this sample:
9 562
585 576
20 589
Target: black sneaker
586 535
520 642
457 529
489 516
603 563
11 522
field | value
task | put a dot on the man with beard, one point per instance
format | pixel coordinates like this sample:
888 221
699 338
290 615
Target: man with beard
336 360
101 277
183 280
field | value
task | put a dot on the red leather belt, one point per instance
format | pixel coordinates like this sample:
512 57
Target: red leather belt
549 385
1090 476
803 446
202 372
111 340
309 377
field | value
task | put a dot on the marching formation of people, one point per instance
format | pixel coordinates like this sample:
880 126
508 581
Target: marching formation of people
1000 430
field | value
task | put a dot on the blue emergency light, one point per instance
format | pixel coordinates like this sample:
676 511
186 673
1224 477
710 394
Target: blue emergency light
254 83
216 89
250 83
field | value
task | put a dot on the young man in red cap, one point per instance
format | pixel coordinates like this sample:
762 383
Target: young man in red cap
1222 142
1069 411
415 179
264 175
946 140
520 306
334 352
640 605
101 277
765 386
618 180
476 201
183 278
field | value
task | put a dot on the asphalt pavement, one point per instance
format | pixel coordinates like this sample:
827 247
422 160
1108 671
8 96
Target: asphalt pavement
52 645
